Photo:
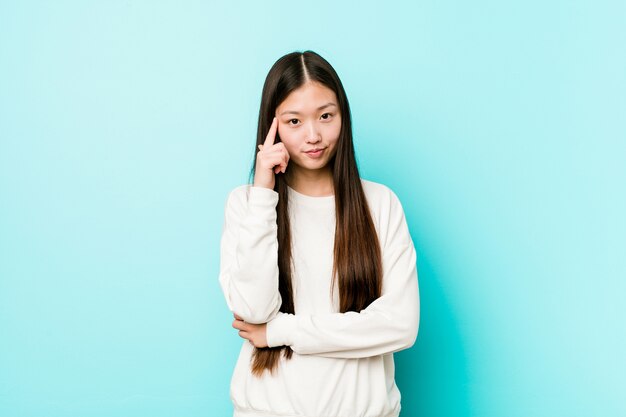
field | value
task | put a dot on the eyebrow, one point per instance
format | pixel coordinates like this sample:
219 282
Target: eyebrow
319 108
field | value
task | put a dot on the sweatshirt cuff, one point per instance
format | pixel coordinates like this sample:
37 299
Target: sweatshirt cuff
280 330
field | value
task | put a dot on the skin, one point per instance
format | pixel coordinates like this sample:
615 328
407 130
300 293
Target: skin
255 333
309 118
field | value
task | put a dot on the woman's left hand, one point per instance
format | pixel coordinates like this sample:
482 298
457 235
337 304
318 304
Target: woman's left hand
255 333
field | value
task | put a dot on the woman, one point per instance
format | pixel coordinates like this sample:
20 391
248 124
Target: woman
317 264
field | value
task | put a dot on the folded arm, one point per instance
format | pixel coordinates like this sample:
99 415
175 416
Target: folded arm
249 254
389 324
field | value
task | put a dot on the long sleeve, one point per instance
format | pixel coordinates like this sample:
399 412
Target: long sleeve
389 324
249 254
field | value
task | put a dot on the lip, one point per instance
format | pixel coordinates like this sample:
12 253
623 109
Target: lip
315 153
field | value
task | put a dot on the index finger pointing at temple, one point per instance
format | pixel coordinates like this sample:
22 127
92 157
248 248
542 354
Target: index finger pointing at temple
271 135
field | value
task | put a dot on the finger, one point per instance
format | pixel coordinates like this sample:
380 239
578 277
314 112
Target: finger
281 146
237 317
271 135
274 161
284 163
260 147
244 334
282 151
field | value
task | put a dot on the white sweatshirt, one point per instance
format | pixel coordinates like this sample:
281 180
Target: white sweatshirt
342 365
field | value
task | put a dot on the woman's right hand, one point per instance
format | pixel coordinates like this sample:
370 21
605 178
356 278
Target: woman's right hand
271 159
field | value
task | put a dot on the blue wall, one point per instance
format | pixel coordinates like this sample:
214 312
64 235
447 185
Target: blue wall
500 125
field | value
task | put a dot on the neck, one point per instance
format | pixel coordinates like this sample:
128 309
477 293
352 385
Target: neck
315 183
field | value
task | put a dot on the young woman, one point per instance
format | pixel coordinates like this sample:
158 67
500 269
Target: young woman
317 264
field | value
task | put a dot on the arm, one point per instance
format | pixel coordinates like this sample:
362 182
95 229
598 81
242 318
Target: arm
387 325
249 254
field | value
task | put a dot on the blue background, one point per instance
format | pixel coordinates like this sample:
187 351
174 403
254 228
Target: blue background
124 124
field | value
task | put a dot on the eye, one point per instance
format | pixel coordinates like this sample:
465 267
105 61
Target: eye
291 120
326 114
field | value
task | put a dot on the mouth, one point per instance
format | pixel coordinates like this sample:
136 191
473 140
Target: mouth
315 153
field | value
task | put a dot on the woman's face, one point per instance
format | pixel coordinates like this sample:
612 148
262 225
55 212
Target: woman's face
309 119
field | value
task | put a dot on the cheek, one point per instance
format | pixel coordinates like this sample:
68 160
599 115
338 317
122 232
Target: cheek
333 133
288 139
286 134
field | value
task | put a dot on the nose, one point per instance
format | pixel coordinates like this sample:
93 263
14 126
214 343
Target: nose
313 135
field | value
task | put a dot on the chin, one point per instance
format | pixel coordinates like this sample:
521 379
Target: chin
314 166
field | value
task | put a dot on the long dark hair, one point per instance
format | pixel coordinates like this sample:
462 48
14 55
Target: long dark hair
357 256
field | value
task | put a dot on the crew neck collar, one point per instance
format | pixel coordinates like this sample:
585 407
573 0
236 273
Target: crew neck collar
311 200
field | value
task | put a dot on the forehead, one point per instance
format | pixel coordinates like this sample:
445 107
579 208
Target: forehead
308 97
